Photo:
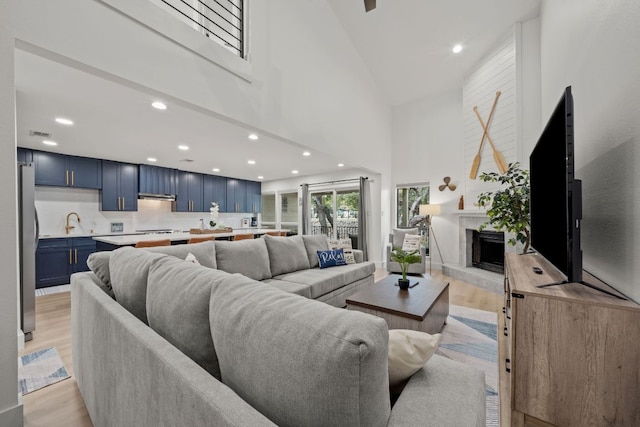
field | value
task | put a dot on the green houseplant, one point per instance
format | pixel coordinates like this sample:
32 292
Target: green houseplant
508 207
404 258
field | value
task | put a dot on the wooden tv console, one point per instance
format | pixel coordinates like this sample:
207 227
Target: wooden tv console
573 353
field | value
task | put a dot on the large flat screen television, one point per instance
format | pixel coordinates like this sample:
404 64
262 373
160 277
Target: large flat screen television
556 196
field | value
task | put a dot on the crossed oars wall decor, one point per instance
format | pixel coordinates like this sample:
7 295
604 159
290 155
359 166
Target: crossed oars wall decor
497 155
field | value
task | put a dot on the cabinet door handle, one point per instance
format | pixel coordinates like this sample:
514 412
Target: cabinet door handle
122 202
66 177
73 181
118 202
70 261
76 256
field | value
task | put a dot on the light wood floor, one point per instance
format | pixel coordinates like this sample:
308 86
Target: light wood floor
61 405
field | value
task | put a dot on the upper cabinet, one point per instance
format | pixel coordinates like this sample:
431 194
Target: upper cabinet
157 180
59 170
120 189
215 190
189 192
254 196
236 195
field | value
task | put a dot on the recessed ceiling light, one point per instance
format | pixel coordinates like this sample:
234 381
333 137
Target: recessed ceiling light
152 159
159 105
253 136
294 172
306 153
340 165
183 147
215 170
64 121
251 162
52 143
260 177
457 48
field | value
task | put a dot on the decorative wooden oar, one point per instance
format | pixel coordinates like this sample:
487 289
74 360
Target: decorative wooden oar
476 160
497 155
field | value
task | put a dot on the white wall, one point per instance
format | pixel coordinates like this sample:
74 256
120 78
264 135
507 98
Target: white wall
308 84
10 404
427 146
593 46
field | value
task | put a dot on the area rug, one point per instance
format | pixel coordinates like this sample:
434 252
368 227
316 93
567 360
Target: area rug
40 369
470 337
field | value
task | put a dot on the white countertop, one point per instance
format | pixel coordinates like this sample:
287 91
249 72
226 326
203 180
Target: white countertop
66 236
132 239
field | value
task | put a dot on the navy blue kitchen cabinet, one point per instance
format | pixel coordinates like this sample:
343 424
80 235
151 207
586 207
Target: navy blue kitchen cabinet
120 186
215 190
57 259
190 192
236 195
24 155
254 196
59 170
157 180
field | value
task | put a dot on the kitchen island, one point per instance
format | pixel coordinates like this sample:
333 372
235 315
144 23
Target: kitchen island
111 242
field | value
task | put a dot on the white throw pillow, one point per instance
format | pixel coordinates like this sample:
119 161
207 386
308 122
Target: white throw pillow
345 245
192 258
408 352
411 242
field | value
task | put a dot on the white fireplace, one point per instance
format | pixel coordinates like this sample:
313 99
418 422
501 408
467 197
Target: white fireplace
464 270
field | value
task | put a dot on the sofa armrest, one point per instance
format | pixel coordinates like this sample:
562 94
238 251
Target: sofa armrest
358 255
442 393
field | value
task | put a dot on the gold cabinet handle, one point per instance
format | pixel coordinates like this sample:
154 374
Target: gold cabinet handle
70 257
76 256
66 177
119 204
122 202
73 183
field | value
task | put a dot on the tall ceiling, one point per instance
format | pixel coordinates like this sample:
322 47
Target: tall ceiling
407 44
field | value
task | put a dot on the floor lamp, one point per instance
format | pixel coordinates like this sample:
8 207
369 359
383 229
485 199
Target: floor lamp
429 211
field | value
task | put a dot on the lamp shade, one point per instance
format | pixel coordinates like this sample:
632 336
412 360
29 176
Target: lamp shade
429 210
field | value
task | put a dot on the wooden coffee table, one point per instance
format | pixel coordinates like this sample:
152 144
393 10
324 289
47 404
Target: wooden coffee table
424 307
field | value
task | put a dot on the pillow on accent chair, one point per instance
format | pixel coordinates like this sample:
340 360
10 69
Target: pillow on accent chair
345 245
331 258
408 352
411 242
397 235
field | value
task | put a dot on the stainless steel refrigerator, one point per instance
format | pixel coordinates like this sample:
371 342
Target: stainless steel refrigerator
28 243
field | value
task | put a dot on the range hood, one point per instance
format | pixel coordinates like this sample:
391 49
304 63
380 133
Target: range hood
149 196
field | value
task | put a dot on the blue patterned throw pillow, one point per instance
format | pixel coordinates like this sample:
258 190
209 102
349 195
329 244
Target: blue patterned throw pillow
331 258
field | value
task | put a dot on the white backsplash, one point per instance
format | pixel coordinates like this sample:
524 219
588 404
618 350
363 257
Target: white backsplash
53 205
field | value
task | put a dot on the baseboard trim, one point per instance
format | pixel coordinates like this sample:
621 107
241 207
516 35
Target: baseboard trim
12 417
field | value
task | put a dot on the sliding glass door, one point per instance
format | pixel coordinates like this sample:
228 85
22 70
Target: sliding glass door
334 213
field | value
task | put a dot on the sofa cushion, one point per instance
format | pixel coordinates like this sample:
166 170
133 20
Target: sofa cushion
248 257
298 361
314 243
292 288
178 294
205 252
129 269
326 280
286 254
399 233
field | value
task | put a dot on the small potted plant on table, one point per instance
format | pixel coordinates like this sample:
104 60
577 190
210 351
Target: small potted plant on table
404 258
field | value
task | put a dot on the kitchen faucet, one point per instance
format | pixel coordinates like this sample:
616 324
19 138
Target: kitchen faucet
68 227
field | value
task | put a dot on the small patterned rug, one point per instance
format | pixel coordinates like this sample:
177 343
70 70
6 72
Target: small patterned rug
40 369
470 337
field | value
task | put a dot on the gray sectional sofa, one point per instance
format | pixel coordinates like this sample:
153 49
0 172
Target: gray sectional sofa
166 342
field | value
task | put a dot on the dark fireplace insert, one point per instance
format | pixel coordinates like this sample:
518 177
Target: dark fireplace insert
488 250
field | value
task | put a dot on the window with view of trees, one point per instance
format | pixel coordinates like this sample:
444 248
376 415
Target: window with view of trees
334 213
408 201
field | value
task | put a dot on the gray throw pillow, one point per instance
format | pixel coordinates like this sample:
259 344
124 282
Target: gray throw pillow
248 257
314 243
178 294
98 262
129 269
205 252
286 254
398 235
